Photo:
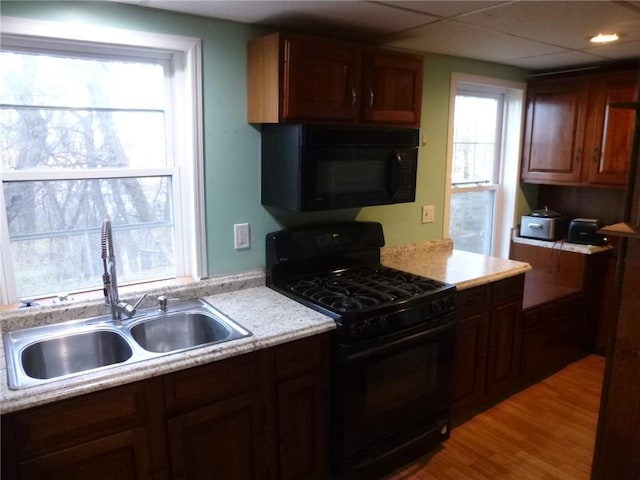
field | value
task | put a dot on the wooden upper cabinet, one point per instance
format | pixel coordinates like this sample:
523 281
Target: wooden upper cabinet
556 113
319 81
611 136
572 136
392 88
295 78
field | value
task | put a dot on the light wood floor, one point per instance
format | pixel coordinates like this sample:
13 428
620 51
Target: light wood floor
545 432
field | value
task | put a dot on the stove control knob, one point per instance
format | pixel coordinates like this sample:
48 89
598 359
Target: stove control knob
446 304
443 305
367 326
383 323
436 306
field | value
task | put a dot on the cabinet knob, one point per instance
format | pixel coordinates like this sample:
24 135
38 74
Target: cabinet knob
578 154
353 96
595 155
371 98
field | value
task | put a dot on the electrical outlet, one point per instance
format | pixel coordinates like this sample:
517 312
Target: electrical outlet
241 237
428 214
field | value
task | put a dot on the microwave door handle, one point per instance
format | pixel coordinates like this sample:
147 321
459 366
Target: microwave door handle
393 173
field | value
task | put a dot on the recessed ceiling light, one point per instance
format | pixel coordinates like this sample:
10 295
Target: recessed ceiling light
604 38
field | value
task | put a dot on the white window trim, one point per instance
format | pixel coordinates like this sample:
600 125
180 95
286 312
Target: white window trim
187 61
509 174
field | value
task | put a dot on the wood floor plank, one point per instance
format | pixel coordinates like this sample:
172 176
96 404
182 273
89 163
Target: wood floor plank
546 432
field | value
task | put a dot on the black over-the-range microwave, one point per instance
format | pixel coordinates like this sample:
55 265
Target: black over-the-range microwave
324 167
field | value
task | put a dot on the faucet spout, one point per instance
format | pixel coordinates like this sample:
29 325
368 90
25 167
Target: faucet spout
110 279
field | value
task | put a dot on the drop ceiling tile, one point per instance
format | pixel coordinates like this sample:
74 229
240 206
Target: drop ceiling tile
453 38
372 18
556 61
351 18
617 51
565 23
444 8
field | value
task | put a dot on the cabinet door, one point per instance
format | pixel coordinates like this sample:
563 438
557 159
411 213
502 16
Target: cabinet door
503 348
470 350
321 81
302 394
538 357
611 129
222 440
115 433
469 372
392 88
303 422
118 456
554 136
570 330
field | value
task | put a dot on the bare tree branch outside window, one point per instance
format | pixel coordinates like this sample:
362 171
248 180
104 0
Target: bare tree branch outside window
83 140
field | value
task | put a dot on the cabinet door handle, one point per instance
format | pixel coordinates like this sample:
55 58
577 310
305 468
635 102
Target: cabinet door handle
578 154
370 97
595 155
353 96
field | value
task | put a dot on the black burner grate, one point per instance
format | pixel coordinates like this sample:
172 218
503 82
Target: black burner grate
362 287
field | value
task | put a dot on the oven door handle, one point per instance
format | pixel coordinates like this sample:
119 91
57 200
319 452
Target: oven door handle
401 341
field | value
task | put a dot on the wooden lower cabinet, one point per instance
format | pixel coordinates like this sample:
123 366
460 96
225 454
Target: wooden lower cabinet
247 417
559 274
487 348
470 348
503 355
552 337
105 435
223 440
302 392
123 455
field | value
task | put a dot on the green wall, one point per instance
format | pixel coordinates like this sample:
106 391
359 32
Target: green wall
232 146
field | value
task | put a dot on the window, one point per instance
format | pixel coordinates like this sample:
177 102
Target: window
87 132
483 159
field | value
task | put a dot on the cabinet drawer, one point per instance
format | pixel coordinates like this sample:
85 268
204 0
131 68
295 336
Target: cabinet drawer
210 383
472 301
121 456
536 316
71 422
507 290
302 355
571 305
568 306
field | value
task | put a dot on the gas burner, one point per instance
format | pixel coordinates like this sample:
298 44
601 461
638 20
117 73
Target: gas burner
362 287
339 292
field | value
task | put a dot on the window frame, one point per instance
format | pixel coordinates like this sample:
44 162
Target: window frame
494 183
507 173
184 147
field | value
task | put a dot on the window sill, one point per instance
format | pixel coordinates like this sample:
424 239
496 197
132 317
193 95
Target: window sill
181 287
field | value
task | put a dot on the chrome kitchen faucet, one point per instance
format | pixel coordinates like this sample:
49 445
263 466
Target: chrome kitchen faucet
110 279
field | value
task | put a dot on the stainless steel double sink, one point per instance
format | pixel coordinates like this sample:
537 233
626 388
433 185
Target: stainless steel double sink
43 354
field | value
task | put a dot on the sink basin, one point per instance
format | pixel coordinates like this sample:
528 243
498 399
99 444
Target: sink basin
70 354
52 352
181 330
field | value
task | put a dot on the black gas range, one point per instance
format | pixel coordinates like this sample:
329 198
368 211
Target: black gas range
393 356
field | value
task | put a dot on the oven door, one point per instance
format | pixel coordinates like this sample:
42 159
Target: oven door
394 385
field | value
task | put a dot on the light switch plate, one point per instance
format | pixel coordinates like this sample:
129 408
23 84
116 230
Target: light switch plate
428 213
241 238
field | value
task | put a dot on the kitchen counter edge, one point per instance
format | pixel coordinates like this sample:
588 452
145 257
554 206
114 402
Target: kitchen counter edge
272 318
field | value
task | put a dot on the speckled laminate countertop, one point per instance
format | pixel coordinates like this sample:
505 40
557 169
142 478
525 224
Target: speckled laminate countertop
562 245
438 260
272 318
